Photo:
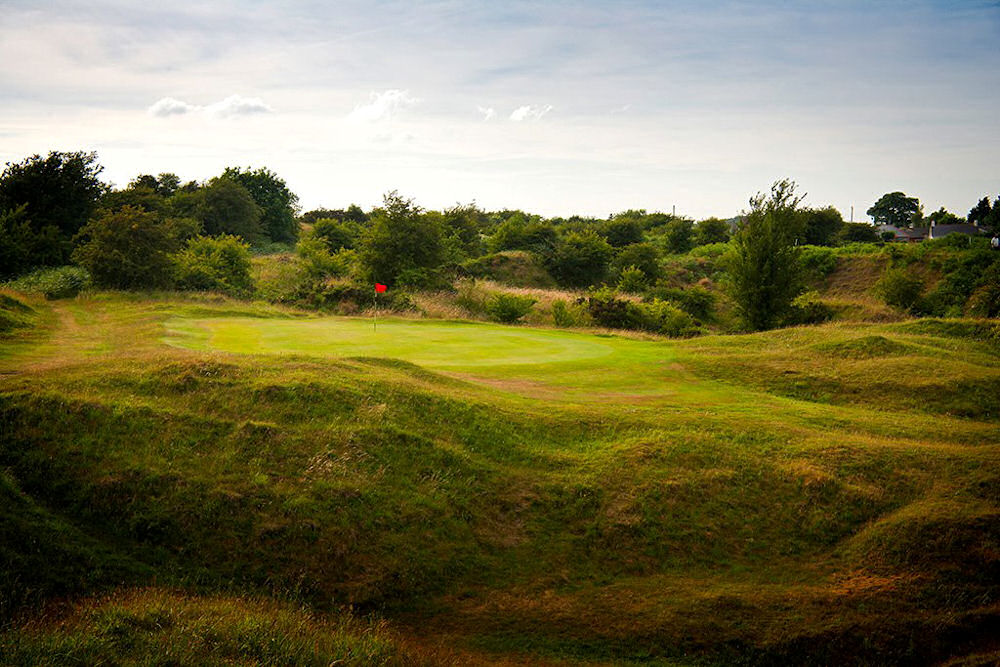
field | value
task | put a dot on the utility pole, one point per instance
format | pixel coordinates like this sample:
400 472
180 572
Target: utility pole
852 213
673 211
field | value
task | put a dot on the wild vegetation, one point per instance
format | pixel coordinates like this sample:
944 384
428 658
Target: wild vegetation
560 443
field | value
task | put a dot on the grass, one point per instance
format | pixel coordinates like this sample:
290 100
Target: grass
821 494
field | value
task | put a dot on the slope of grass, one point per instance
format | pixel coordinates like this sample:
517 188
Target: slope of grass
515 493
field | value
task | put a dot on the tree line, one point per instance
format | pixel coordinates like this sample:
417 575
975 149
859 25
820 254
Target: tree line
157 232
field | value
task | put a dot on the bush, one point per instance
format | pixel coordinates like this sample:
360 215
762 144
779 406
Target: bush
317 260
658 316
899 289
710 250
569 314
818 261
63 282
808 309
985 301
580 259
508 308
126 249
221 263
632 279
472 296
694 300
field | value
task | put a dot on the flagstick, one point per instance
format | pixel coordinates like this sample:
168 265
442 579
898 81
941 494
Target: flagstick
375 317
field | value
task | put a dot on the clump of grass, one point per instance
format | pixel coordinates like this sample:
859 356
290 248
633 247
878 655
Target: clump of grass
14 314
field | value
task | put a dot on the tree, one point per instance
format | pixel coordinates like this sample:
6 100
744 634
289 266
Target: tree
859 232
580 259
943 217
225 207
980 213
462 224
126 249
896 209
821 225
622 230
278 204
764 275
711 230
61 192
679 236
335 235
400 241
17 241
642 256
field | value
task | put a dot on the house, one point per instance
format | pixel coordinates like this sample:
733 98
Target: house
914 234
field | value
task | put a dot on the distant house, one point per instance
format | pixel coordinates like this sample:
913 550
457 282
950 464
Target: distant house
914 234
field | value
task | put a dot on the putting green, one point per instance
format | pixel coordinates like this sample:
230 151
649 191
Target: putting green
572 361
434 344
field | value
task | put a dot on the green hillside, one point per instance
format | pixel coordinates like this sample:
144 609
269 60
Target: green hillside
267 482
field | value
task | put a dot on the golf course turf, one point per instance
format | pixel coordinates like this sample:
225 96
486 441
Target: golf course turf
819 494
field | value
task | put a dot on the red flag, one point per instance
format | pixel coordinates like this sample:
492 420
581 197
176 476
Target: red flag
379 287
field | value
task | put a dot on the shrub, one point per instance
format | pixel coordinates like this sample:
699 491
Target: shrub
710 250
693 300
63 282
818 261
508 308
658 316
632 280
472 296
808 309
317 260
127 249
985 301
569 314
899 289
221 263
580 259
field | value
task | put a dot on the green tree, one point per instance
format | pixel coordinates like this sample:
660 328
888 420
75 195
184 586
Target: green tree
764 274
622 230
711 230
400 241
643 256
980 213
462 224
580 259
61 192
895 208
17 242
126 249
821 225
335 235
943 217
859 232
278 204
225 207
678 237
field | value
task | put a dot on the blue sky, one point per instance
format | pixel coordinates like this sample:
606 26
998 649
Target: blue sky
554 107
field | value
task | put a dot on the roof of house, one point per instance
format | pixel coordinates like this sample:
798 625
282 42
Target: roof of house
939 231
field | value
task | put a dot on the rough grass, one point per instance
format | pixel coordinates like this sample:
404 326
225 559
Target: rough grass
509 493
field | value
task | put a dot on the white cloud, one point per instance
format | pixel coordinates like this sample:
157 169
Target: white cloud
622 109
529 112
168 106
231 107
235 105
489 113
383 106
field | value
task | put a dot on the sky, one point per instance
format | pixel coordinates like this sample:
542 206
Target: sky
556 107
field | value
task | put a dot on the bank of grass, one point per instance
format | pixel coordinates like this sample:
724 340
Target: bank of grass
155 626
514 492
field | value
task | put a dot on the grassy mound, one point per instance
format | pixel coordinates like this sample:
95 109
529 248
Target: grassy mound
866 347
506 490
14 314
153 626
